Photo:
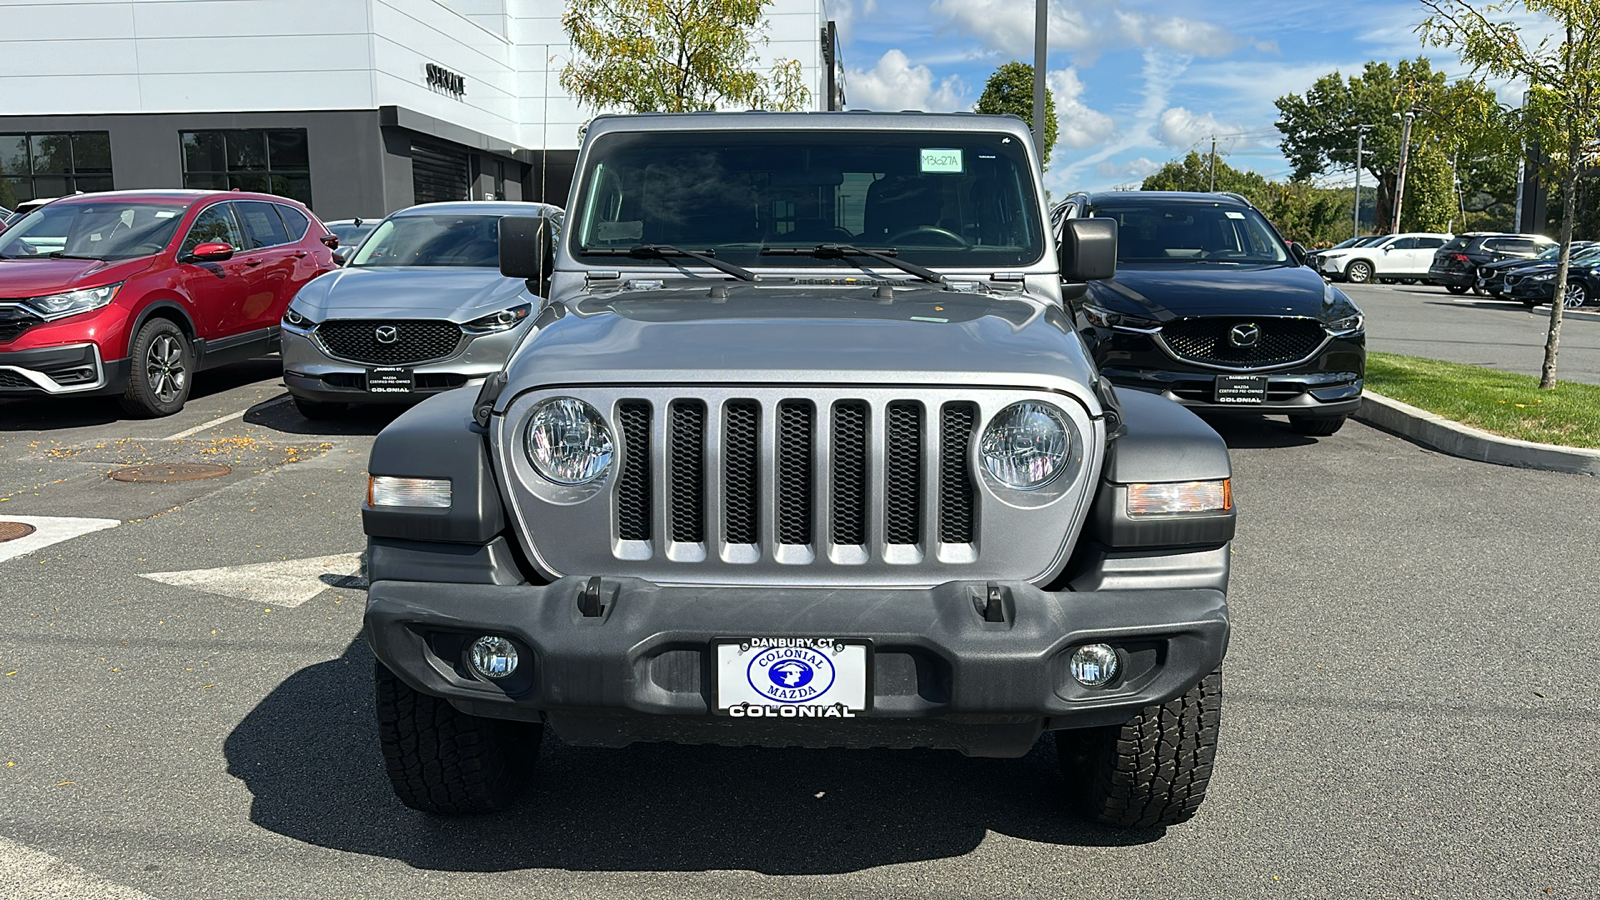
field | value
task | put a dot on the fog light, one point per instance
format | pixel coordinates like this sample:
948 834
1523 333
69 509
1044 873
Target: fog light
493 657
1094 665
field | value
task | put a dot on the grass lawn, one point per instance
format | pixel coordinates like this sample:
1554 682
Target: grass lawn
1499 402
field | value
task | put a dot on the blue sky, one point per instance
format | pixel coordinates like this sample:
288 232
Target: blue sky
1136 82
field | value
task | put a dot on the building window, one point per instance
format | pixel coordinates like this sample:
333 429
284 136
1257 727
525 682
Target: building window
53 165
272 161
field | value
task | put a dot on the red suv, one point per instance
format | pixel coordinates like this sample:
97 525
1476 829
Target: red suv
131 292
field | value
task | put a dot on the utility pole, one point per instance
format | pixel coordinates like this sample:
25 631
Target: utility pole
1213 186
1361 132
1041 21
1400 179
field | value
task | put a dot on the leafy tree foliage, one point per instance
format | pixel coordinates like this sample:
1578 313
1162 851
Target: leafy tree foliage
1010 90
675 56
1430 200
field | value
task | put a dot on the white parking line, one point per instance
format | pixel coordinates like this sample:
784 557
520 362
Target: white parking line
189 432
49 530
286 583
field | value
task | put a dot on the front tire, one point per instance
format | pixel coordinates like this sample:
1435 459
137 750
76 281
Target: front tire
160 363
1317 426
441 760
1152 771
1359 272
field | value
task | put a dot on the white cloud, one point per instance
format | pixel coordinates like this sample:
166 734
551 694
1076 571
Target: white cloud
1179 127
846 13
1077 126
1136 169
894 83
1082 27
1175 33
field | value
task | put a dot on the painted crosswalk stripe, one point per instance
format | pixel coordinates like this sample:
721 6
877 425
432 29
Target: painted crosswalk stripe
286 583
49 530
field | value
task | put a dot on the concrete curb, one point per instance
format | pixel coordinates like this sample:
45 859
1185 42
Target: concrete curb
1450 437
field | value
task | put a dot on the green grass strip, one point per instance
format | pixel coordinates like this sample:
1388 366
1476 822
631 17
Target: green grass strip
1501 403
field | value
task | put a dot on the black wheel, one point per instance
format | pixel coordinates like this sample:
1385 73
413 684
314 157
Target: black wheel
441 760
160 362
1151 771
1317 426
1359 272
1456 288
318 409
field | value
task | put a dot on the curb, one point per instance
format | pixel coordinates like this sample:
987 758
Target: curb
1446 436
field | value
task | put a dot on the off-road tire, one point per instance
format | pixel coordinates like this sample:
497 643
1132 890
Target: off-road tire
1456 288
1358 272
1317 426
151 395
319 410
441 760
1151 771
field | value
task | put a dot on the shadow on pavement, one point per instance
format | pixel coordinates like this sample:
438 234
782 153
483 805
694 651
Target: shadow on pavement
280 414
308 754
32 413
1244 431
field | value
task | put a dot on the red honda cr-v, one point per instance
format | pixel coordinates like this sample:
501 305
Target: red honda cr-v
131 292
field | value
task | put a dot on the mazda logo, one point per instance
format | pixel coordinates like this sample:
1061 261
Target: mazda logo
388 334
1246 334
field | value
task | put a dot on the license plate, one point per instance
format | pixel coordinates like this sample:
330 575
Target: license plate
390 380
792 678
1241 389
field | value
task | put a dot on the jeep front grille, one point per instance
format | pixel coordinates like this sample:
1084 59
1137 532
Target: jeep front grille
1205 341
414 340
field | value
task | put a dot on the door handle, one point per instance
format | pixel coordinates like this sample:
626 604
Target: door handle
253 261
299 254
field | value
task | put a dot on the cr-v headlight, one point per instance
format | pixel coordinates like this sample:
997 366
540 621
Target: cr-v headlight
568 442
70 303
1027 445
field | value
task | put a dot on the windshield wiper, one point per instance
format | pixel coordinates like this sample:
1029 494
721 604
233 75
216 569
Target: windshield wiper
667 251
61 255
841 251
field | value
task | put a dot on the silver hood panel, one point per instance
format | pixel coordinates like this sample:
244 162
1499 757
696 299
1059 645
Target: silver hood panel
459 294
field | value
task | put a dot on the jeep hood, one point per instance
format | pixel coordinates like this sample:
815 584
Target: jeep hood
460 293
1172 291
788 334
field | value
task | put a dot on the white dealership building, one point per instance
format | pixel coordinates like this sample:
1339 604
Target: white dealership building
356 107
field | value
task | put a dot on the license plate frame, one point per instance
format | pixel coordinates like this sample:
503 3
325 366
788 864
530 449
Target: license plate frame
1240 390
391 380
736 663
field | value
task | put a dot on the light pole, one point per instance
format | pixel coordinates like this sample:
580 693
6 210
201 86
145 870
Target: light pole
1361 132
1400 179
1041 21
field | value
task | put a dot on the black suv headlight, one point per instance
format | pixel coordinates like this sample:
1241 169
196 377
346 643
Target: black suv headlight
1347 326
504 320
1101 317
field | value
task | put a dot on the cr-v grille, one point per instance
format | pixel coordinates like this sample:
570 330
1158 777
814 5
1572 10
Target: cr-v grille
389 341
1210 340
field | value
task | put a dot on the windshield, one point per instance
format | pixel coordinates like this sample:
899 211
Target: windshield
104 230
442 240
352 235
1156 232
956 199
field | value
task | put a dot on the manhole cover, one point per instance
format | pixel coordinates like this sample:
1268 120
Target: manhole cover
10 531
166 474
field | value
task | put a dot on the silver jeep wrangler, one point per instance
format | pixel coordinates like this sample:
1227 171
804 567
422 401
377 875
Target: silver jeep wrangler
802 451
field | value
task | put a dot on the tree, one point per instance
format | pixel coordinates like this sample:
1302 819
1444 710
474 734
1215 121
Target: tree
1430 197
1562 112
675 56
1010 90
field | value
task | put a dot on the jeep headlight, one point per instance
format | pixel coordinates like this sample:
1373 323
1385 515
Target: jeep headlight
1027 445
69 303
504 320
568 442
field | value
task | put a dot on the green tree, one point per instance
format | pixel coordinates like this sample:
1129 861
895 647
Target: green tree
675 56
1430 196
1563 109
1010 90
1193 173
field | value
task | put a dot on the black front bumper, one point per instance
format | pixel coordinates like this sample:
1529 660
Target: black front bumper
942 675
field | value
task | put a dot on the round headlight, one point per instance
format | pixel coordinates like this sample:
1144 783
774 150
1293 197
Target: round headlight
568 442
1027 445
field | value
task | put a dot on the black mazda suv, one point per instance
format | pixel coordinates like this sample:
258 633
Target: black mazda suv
1211 308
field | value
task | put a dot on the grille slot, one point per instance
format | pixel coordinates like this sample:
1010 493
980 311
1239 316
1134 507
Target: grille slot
1205 340
416 340
688 435
741 475
902 474
955 478
849 488
796 431
14 320
633 481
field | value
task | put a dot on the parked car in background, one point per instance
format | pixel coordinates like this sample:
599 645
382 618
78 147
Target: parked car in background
1209 308
1492 276
1311 256
351 232
1455 265
5 216
130 293
1393 257
421 308
1536 284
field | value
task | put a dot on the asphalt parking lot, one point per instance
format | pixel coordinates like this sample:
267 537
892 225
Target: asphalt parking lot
1411 693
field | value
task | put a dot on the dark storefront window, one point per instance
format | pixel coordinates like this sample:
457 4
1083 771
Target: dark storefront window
53 165
272 162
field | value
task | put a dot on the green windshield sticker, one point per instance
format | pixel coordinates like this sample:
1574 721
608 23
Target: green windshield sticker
941 161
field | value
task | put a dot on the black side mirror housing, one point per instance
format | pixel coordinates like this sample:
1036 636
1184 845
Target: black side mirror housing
527 251
1298 251
1088 250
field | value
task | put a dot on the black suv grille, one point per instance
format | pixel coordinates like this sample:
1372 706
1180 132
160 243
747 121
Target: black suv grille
415 340
1207 341
14 320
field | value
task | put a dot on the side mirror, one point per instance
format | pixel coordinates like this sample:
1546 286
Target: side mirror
1299 253
212 251
331 240
527 251
341 257
1088 250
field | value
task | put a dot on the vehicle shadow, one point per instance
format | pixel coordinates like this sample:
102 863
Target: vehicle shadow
33 413
279 414
1244 431
308 755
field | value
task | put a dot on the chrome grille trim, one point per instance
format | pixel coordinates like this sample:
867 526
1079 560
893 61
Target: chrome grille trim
1161 342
